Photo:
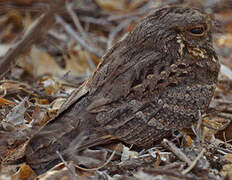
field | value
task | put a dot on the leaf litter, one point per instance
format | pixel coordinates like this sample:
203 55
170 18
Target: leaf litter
43 60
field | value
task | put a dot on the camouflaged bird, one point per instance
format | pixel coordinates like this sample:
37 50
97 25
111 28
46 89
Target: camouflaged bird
149 84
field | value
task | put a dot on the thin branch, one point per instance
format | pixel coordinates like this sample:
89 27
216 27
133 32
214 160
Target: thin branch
82 32
117 30
76 20
194 162
93 20
100 167
198 128
169 145
32 36
170 173
90 62
68 29
67 166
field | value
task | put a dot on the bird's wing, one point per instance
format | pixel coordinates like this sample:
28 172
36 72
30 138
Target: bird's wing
111 82
119 72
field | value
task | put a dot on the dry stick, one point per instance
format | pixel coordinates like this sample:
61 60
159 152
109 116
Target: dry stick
7 6
90 62
27 89
67 166
76 20
198 128
117 30
32 36
144 9
223 150
82 31
68 29
227 146
169 173
129 17
100 167
169 145
218 128
194 162
42 8
99 21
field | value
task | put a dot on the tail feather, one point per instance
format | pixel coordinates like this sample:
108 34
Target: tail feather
67 150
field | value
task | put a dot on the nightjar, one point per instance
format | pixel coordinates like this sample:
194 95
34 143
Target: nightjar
150 83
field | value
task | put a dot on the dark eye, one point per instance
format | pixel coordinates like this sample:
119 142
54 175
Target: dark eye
197 31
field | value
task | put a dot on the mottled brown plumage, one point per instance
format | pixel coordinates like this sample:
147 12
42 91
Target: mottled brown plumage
152 82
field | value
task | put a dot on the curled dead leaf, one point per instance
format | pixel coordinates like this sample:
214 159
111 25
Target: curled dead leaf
4 101
24 173
228 157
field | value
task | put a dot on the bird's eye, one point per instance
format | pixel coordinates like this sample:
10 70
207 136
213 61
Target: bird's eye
197 31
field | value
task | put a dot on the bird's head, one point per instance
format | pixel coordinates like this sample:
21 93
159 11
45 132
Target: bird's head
176 30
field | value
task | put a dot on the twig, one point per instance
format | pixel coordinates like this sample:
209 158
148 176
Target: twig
38 7
198 128
176 151
217 143
26 89
9 5
170 173
221 151
100 21
33 35
117 30
90 62
100 167
82 32
194 162
76 20
227 71
107 21
68 29
67 166
199 123
218 128
140 11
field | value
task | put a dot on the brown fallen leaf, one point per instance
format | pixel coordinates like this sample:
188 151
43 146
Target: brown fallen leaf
24 173
16 116
4 101
228 157
62 172
226 171
112 4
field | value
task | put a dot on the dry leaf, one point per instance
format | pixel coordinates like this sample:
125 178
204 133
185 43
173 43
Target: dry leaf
16 116
92 158
40 116
59 172
127 154
226 71
189 141
112 4
15 86
50 85
226 171
24 173
5 101
228 157
41 63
